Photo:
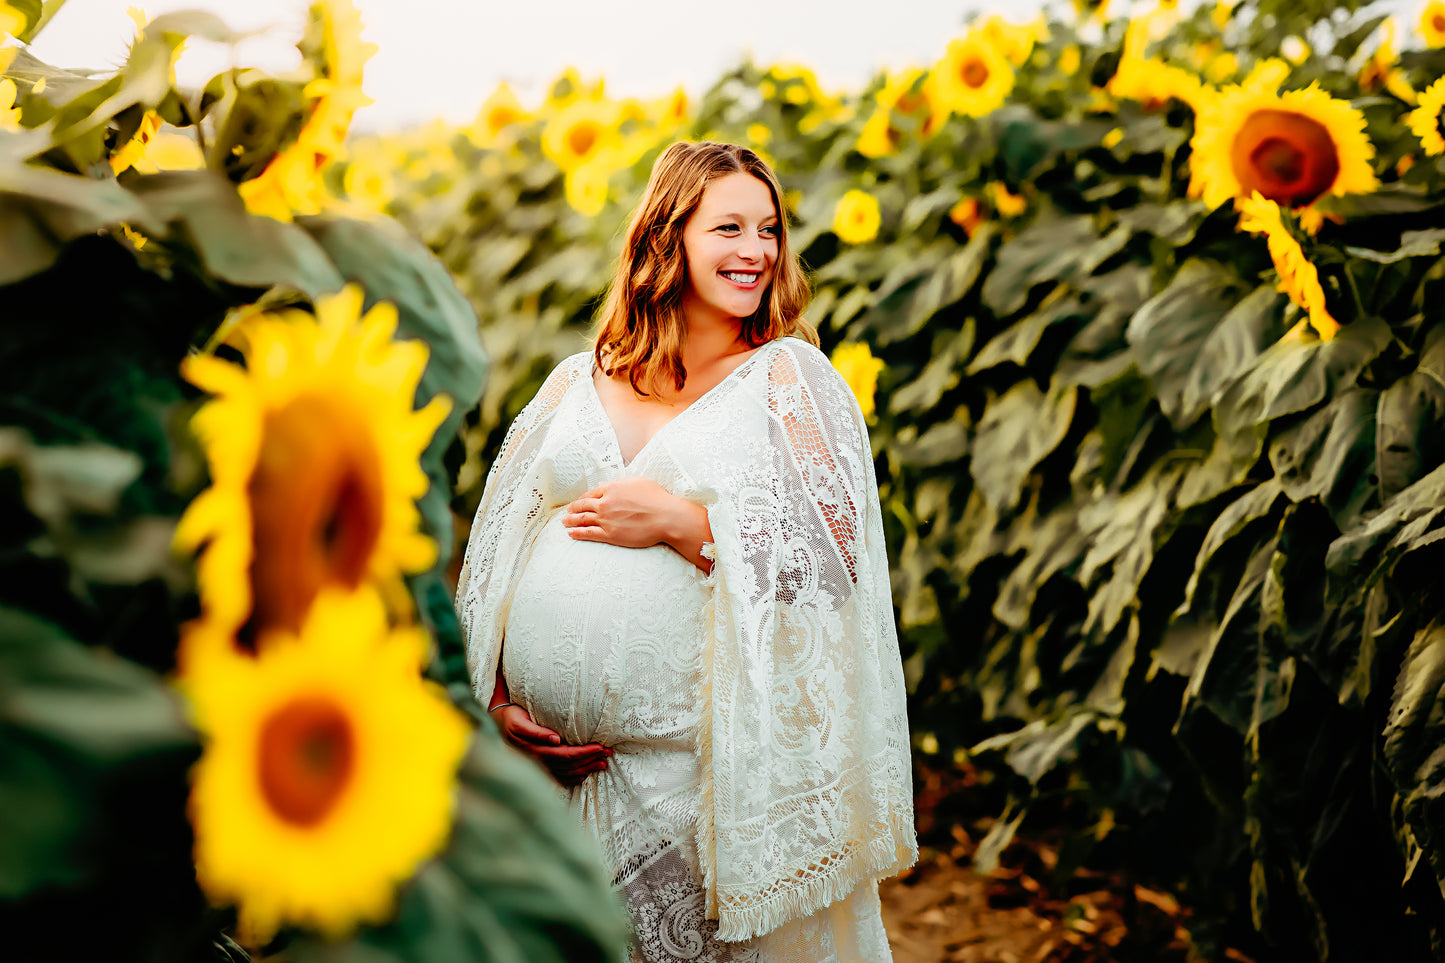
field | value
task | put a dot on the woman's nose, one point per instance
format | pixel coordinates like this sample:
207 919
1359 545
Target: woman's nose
751 248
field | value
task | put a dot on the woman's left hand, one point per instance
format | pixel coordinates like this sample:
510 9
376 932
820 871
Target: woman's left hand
630 512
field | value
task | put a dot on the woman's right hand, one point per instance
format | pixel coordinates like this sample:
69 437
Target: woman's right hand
569 765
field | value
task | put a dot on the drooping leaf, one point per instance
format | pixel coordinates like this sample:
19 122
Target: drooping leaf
245 249
1170 333
1410 439
1062 250
1331 456
1415 741
1016 432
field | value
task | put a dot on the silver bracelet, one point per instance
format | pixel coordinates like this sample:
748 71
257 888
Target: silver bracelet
501 705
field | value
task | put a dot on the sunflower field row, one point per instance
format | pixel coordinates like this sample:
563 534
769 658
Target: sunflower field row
1143 312
224 626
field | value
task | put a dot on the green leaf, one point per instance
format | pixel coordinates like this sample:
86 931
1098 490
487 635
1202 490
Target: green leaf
905 310
1412 244
1410 439
42 209
74 721
1331 456
1039 746
1170 333
391 266
1253 504
1408 521
1415 742
939 375
1291 377
1017 342
201 208
1017 431
1062 250
1175 222
1121 531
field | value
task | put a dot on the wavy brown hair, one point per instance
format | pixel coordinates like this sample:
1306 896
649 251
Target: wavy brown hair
641 329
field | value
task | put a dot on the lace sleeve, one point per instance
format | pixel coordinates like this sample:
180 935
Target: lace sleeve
822 445
501 529
806 789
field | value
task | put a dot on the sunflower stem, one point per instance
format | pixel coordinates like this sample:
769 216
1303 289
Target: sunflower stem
1355 293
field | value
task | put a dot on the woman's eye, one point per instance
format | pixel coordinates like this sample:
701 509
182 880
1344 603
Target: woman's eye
771 230
728 227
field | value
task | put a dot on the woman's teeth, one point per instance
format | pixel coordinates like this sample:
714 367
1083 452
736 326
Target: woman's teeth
740 278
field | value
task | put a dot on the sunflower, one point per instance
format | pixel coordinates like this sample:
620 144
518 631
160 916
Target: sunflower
1293 148
579 132
908 93
856 218
314 455
1298 278
1006 203
291 183
498 112
1382 69
1425 119
670 112
855 362
368 182
973 78
328 773
1432 23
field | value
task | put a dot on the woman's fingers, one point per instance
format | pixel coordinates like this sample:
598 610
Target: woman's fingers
588 533
521 728
586 503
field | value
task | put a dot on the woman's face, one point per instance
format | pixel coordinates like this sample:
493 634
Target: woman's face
731 245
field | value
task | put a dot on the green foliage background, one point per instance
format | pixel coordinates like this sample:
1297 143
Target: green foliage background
1172 577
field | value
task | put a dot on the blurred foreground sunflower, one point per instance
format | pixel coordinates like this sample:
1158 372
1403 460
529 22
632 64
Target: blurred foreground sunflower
1298 277
1424 120
1292 148
1432 23
974 78
314 456
9 113
328 771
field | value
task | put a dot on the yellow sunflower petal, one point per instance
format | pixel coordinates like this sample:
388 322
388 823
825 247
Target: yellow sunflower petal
1298 277
1424 120
329 768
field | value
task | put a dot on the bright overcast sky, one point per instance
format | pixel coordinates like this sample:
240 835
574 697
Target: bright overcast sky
443 57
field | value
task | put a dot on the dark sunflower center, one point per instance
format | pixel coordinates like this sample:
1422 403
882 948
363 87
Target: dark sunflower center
316 503
909 103
581 138
975 73
1438 22
306 755
1289 158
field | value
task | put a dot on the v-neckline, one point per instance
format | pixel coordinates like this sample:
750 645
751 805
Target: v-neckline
612 426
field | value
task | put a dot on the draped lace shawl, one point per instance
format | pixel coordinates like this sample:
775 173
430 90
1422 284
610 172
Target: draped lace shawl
806 786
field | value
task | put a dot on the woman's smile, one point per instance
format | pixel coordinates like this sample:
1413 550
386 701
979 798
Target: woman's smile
731 246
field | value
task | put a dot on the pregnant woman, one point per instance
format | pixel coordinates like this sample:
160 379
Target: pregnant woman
675 593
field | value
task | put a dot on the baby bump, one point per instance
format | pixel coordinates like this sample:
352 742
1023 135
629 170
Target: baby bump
601 642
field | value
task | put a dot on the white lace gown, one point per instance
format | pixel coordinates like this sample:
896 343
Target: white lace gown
604 644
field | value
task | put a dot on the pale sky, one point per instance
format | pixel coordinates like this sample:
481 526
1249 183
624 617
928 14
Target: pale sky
443 57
